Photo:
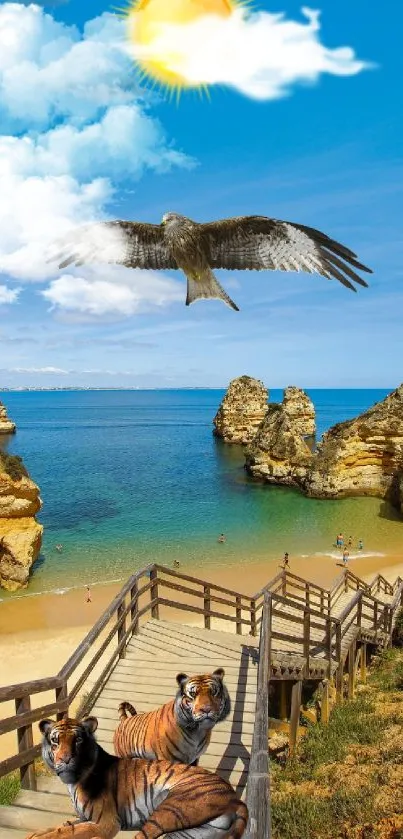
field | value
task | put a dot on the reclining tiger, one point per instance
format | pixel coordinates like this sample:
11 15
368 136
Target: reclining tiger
153 797
180 730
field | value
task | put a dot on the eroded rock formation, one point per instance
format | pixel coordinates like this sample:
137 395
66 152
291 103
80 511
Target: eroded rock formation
20 533
6 425
278 453
300 410
241 411
363 456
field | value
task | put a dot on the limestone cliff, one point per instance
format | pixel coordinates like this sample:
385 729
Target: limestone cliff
362 456
241 411
300 410
6 425
278 453
20 534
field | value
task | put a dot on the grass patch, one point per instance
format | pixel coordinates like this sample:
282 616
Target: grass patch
9 787
13 466
351 723
344 780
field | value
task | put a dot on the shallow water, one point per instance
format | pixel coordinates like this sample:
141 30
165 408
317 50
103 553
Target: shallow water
130 477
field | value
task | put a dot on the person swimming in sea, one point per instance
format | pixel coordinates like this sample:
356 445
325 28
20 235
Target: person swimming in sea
176 563
360 545
221 538
59 548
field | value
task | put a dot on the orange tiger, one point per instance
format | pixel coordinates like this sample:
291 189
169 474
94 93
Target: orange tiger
180 730
152 797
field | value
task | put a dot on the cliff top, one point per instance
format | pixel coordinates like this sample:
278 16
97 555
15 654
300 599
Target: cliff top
13 466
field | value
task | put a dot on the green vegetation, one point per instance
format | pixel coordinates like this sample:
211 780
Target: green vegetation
398 629
13 466
343 782
9 787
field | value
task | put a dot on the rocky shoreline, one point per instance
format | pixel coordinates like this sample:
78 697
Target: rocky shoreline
7 426
20 533
359 457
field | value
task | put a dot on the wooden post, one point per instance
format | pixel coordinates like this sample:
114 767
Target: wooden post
351 671
253 617
134 608
329 644
121 627
376 616
307 622
239 615
338 641
359 612
283 700
296 694
155 612
364 664
322 601
258 785
325 706
339 683
284 584
207 607
346 581
25 741
60 694
307 594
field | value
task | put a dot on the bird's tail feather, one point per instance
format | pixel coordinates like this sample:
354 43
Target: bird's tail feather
205 285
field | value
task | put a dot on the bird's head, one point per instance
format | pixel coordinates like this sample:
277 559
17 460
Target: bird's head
172 218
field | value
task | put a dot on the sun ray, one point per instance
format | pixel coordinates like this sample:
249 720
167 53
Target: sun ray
145 18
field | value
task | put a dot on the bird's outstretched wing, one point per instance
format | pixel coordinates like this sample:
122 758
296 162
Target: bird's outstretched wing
129 243
259 243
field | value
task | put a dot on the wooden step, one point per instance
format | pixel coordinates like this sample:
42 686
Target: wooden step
12 833
45 801
128 689
32 819
106 730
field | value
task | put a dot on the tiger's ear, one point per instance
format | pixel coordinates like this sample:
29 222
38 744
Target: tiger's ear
45 726
181 679
220 673
90 724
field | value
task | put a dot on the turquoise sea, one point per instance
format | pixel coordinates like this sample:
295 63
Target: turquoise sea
129 477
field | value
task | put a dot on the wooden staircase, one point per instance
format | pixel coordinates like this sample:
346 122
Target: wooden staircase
308 633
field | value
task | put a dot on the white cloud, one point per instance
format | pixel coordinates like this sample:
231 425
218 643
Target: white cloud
73 129
39 370
121 292
8 295
261 55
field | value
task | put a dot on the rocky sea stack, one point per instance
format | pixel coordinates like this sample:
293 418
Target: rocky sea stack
20 533
6 425
362 456
241 411
278 453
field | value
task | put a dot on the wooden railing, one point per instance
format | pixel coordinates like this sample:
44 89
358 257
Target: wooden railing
301 612
258 787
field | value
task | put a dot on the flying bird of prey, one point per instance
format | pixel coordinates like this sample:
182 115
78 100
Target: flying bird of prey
243 243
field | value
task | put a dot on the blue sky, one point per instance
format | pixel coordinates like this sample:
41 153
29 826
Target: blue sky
327 154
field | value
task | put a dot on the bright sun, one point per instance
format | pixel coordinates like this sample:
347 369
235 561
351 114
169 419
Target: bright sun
161 58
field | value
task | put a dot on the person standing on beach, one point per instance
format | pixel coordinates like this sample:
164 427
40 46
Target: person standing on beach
286 563
350 542
345 556
89 595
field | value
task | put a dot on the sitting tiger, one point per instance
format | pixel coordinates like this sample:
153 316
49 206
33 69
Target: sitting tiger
180 730
154 798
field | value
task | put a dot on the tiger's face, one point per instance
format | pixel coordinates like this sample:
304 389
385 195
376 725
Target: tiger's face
69 747
203 698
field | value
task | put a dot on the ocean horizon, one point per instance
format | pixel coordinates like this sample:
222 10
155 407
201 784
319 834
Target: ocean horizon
132 476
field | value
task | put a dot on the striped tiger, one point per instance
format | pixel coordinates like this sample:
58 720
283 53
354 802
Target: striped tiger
153 797
180 730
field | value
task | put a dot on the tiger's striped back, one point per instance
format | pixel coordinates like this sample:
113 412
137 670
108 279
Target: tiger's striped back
180 730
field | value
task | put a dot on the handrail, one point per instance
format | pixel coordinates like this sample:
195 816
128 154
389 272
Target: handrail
258 784
312 612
